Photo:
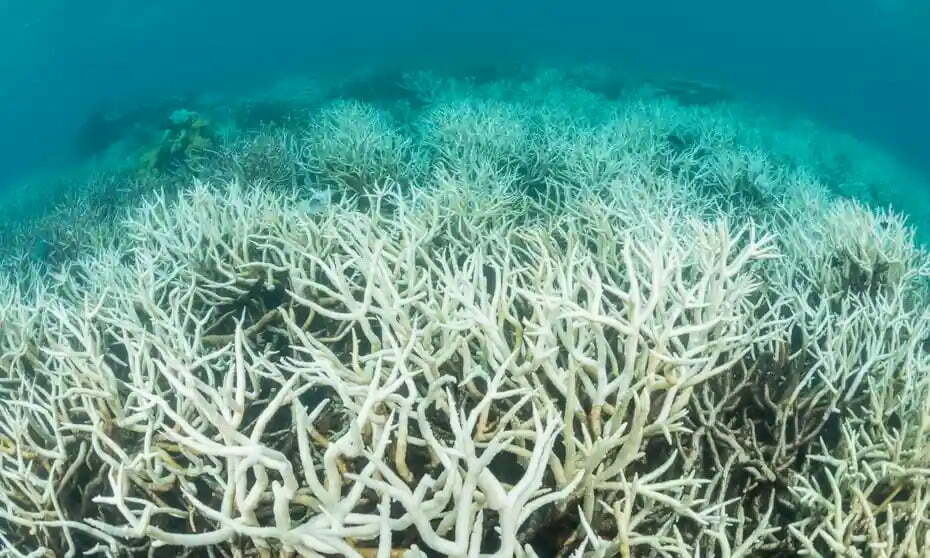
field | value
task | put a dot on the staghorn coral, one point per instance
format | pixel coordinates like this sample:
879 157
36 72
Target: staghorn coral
532 130
449 370
520 325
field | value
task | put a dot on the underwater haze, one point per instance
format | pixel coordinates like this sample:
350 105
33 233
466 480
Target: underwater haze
860 65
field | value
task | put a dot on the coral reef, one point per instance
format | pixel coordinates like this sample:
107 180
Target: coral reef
559 122
515 319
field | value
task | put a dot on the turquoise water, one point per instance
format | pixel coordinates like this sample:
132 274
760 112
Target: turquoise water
863 66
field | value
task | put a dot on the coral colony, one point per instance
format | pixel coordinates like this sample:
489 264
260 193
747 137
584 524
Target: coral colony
511 318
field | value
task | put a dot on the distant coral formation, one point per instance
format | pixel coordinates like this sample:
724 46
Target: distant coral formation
187 136
502 317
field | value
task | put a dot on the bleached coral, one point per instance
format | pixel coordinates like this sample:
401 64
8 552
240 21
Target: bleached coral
632 336
446 354
439 377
